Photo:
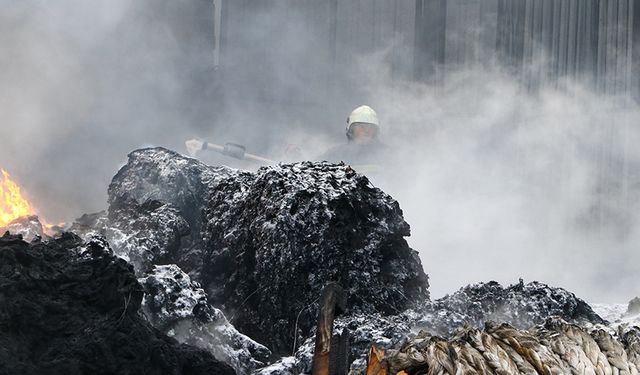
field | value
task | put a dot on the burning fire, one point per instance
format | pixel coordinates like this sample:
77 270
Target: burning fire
12 204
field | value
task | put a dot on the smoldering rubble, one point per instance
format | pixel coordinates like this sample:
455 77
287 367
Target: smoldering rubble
233 263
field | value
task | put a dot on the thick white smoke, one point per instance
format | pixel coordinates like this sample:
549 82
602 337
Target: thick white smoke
499 183
83 84
496 181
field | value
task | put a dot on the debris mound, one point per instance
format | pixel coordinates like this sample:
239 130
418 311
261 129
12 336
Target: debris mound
69 306
264 244
522 306
261 246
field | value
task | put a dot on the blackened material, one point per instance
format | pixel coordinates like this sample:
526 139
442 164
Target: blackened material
271 240
69 307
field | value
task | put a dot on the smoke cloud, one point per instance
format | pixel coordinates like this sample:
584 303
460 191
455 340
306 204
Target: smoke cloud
500 183
84 83
497 181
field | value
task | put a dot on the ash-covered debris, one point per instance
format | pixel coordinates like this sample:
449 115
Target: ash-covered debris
167 176
364 330
29 227
620 316
271 240
148 233
90 225
67 306
520 305
144 234
285 366
276 244
171 296
179 307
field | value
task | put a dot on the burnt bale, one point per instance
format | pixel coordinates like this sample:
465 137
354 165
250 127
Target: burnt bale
271 240
71 307
164 175
296 227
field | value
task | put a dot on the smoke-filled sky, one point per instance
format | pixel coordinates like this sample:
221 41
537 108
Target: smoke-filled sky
496 181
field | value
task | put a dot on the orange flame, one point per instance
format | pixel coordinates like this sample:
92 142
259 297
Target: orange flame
12 203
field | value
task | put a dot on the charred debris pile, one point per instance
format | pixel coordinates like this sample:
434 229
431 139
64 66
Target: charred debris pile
263 245
72 307
229 264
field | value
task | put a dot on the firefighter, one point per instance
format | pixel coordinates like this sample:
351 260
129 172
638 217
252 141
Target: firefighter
363 147
363 125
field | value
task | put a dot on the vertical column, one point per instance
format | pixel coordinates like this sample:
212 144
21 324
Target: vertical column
621 47
629 50
320 18
511 32
430 39
500 27
584 63
520 30
635 51
452 34
546 39
405 34
565 19
383 23
571 36
489 25
539 56
594 37
343 33
554 40
528 45
610 46
354 35
602 45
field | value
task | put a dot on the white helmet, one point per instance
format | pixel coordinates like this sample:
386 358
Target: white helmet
363 114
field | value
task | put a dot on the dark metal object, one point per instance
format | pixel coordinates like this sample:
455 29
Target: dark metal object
332 303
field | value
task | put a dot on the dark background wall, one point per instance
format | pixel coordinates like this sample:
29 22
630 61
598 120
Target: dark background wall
541 41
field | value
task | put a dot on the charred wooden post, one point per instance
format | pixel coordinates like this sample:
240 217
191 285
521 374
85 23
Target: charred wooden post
332 303
339 354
